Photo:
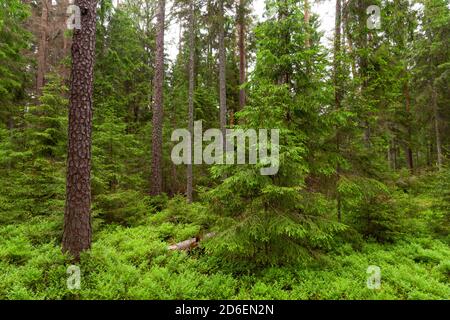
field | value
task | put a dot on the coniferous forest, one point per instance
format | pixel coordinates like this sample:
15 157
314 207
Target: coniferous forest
119 181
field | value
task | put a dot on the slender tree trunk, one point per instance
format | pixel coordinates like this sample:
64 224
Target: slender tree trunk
363 64
77 220
222 75
191 98
429 152
42 49
242 52
337 53
409 153
157 120
392 155
389 157
66 42
436 127
337 92
284 77
347 35
306 18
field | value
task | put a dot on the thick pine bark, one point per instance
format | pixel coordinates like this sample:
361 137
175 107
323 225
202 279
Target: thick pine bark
222 75
242 53
156 172
77 220
191 97
42 49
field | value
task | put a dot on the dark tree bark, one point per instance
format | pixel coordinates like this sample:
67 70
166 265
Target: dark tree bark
436 126
77 218
222 75
337 92
156 175
66 42
363 62
409 153
191 96
242 51
42 48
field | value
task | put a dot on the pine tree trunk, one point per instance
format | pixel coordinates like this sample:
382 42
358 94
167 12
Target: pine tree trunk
429 152
337 93
392 158
156 175
242 52
306 18
409 153
347 35
222 75
77 220
191 98
363 64
436 127
337 53
42 49
66 42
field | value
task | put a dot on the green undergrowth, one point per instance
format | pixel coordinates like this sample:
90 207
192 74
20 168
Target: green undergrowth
134 263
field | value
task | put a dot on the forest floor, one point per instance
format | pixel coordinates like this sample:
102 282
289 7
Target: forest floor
134 263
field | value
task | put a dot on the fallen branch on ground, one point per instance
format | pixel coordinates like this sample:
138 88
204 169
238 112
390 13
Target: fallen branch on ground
190 243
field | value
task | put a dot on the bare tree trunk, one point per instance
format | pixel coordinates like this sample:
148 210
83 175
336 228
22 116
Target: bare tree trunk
242 53
347 35
77 218
409 153
337 53
63 4
42 49
337 92
429 152
306 17
436 126
156 175
392 155
389 157
191 97
222 75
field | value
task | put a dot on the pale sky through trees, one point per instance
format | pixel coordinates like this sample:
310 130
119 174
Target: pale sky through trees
325 10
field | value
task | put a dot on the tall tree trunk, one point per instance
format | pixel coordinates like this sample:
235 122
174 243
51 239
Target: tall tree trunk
157 120
391 157
42 48
66 42
409 153
284 77
191 97
77 218
242 51
306 17
337 92
337 53
436 126
222 75
363 64
347 35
